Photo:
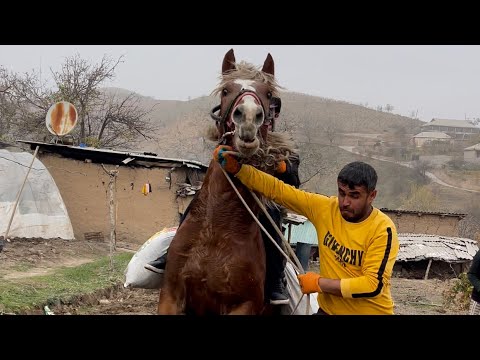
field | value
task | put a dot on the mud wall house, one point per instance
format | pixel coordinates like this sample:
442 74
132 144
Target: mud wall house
472 153
423 222
141 211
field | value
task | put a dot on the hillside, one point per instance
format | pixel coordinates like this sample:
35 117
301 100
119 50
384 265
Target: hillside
311 121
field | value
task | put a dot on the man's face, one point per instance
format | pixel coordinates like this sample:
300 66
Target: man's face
355 204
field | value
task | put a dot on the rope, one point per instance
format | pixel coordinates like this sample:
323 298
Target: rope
298 267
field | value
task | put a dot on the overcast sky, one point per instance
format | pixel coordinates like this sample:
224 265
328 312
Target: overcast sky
437 81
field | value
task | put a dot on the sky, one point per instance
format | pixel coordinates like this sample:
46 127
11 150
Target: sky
431 80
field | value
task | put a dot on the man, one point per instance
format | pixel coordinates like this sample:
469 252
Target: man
474 278
357 243
275 262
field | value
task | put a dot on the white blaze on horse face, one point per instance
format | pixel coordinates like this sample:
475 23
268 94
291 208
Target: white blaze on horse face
245 84
248 111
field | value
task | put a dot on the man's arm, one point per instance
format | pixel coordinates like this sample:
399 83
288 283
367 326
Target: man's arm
299 201
474 271
377 266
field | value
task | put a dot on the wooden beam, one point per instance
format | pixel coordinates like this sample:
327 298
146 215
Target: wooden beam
428 269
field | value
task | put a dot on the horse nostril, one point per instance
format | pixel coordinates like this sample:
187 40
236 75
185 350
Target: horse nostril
245 140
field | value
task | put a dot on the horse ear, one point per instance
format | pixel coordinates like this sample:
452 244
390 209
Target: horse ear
228 62
268 65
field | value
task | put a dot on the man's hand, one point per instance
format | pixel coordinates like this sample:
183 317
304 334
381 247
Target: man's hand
281 167
309 282
226 161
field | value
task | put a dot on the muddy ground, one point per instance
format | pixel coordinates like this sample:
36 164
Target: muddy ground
22 258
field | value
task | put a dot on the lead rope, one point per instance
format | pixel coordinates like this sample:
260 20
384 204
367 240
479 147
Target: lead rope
298 267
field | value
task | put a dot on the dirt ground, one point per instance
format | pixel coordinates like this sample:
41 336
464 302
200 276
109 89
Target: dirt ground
22 258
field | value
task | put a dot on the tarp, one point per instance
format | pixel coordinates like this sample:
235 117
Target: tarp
41 212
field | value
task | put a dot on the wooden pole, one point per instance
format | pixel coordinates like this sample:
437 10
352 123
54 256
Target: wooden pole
112 207
428 269
20 193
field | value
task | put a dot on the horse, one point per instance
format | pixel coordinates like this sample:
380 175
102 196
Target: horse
216 261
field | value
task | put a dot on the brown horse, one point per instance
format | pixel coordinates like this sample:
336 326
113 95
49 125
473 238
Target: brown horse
216 261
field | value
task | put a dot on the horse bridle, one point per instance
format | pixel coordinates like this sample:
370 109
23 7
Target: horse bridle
269 117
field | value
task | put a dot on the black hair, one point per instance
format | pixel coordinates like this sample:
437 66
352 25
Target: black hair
358 173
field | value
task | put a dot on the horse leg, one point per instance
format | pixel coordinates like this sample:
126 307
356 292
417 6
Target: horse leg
245 308
167 305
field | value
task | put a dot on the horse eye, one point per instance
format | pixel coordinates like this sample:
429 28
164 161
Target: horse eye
224 92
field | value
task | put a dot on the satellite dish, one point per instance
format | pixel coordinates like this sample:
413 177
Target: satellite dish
61 118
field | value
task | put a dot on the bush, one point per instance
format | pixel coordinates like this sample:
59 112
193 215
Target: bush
458 295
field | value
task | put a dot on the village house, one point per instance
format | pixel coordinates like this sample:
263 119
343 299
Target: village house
151 192
457 129
429 137
472 153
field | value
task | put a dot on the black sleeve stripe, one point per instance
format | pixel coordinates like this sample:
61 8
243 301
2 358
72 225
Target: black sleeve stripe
381 270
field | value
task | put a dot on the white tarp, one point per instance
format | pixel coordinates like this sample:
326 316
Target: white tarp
40 212
295 294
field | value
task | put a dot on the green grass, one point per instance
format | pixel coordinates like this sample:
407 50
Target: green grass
23 266
22 295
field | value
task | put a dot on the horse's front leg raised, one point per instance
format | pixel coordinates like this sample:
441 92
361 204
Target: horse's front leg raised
167 304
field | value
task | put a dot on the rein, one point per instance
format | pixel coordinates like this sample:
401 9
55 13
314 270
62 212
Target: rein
298 267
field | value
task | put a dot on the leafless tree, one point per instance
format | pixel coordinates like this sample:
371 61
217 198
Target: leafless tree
330 133
114 122
389 108
104 120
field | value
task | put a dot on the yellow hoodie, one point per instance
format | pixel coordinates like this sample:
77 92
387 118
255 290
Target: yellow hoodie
361 254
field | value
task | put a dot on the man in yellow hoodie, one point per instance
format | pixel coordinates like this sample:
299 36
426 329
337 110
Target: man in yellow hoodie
357 243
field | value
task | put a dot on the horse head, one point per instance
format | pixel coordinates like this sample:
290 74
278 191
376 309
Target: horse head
246 94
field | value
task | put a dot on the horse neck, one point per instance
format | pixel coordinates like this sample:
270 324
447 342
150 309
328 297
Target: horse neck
218 195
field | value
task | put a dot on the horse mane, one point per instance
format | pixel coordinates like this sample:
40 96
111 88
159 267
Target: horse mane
279 146
246 71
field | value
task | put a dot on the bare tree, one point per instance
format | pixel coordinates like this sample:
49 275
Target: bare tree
114 122
421 168
330 133
389 108
421 199
79 82
106 121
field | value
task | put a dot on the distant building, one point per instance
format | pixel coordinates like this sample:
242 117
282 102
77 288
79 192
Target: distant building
428 137
472 153
457 129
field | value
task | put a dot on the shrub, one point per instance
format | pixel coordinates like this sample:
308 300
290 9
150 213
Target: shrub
458 294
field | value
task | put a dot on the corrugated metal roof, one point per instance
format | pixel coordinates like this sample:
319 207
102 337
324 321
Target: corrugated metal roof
451 123
432 135
127 157
304 233
415 247
473 147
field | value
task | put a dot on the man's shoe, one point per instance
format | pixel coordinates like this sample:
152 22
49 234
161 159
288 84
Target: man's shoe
158 265
154 269
278 296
